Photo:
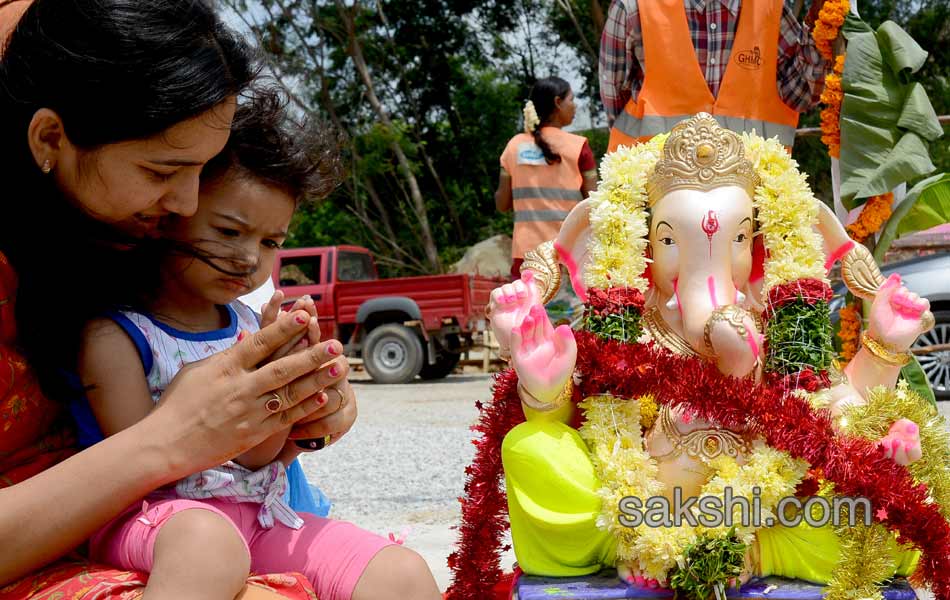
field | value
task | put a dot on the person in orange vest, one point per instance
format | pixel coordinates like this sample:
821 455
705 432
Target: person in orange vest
545 171
752 65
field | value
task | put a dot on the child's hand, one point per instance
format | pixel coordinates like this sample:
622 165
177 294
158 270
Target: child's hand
271 312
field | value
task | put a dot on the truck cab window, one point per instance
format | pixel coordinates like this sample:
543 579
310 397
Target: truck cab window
355 266
300 271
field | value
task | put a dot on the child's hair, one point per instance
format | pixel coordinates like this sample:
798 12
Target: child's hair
543 94
300 157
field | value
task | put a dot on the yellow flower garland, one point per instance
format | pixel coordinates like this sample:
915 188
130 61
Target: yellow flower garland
787 213
613 432
618 216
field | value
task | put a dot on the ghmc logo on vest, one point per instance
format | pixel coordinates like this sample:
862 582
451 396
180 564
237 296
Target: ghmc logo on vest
750 59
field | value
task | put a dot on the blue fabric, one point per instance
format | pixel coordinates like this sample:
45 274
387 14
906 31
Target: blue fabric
138 338
301 496
87 428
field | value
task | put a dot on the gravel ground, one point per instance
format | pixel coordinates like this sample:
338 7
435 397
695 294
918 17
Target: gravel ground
403 463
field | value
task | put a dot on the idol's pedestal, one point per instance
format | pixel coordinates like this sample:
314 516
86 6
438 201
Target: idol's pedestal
607 586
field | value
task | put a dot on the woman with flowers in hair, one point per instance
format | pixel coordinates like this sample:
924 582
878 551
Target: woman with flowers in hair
545 171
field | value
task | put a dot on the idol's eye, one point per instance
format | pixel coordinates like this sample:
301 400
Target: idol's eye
667 241
741 238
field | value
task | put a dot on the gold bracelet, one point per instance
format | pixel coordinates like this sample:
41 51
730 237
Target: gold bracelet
730 314
883 353
566 394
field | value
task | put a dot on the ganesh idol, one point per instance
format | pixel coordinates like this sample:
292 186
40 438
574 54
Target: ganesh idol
705 362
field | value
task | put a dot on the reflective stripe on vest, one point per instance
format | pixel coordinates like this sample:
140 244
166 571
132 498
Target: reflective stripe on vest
523 193
650 125
675 88
541 215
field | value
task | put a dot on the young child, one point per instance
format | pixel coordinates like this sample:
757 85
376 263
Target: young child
202 537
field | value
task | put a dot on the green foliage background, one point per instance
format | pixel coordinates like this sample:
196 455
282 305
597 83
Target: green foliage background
453 76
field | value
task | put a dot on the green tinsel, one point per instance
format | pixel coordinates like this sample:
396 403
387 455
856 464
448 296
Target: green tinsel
709 564
799 337
622 327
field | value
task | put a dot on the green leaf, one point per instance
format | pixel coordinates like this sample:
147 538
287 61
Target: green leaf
932 195
917 380
931 209
886 119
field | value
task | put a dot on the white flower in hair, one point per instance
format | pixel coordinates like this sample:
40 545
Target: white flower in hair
531 120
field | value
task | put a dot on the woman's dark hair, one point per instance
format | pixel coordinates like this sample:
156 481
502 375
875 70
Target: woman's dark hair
113 70
300 157
543 94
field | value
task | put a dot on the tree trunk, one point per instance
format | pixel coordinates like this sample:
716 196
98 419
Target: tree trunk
597 16
453 214
356 53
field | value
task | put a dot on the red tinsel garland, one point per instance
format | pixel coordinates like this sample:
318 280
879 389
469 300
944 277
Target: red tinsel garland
858 467
811 291
613 300
475 563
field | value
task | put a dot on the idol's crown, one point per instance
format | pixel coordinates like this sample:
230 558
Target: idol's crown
701 155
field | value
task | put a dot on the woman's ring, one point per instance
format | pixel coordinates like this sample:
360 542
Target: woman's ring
274 404
339 393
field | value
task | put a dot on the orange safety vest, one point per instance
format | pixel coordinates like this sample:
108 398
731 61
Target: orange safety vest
675 89
543 194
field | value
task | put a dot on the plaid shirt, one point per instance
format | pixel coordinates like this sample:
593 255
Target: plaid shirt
712 26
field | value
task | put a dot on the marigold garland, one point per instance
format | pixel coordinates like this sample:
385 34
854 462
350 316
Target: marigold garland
874 214
832 96
849 331
829 22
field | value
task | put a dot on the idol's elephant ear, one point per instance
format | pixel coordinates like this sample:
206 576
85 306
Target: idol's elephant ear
859 270
570 248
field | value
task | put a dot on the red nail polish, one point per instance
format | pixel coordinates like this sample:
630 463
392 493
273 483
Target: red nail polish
301 320
333 350
241 335
334 371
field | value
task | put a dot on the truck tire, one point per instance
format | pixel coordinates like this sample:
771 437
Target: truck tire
936 365
445 363
392 353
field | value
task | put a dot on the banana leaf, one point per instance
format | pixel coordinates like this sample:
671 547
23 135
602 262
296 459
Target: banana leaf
926 205
886 118
917 380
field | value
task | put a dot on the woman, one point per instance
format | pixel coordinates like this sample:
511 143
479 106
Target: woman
545 171
108 111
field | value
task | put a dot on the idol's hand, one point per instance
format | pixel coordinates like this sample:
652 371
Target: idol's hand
898 316
543 357
734 341
508 307
902 443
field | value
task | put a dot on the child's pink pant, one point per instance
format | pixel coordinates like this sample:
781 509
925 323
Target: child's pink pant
331 554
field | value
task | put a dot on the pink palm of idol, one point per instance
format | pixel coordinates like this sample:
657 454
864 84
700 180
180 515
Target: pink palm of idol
896 320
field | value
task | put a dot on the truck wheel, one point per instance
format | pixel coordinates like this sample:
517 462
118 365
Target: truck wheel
937 364
392 353
445 363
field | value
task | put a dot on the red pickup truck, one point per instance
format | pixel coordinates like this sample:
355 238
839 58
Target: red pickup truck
400 327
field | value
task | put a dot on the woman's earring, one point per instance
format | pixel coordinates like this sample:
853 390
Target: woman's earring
47 167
